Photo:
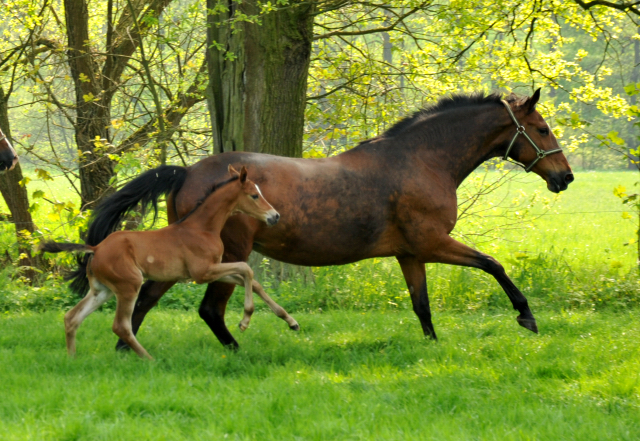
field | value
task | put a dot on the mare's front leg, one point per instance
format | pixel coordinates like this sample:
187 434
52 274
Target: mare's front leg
456 253
415 276
220 270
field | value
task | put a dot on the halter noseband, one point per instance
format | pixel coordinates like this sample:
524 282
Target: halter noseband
520 130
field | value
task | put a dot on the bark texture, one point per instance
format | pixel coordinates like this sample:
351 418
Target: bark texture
258 79
17 200
95 87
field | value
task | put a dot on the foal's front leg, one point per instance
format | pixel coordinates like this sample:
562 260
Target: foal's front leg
220 270
456 253
277 309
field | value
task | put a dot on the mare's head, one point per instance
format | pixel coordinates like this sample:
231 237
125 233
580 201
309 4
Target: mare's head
251 201
552 167
8 156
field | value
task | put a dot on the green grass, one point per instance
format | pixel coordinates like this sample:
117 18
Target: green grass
346 375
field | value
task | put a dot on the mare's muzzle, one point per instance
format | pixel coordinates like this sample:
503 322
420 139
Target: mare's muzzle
558 182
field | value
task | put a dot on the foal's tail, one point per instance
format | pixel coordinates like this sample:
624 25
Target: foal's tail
57 247
145 190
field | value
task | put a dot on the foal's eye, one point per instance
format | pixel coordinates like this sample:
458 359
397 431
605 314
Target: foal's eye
254 197
544 131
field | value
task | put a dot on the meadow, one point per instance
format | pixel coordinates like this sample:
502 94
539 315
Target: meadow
359 368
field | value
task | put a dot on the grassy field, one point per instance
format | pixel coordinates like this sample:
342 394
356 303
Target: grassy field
359 368
345 375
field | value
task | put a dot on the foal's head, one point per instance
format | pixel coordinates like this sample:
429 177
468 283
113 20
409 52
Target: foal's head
250 199
554 168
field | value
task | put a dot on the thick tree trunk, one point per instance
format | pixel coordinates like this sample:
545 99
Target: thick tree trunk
17 200
257 89
96 85
258 80
92 114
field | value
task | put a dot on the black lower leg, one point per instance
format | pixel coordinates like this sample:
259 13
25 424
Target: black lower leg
518 300
423 310
212 310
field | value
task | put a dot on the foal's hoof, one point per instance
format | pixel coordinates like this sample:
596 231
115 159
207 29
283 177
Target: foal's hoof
529 323
242 327
295 327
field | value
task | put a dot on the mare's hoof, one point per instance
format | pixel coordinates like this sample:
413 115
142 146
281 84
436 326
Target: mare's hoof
529 323
122 346
295 327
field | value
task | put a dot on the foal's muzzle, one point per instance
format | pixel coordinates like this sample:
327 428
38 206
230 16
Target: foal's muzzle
273 219
559 181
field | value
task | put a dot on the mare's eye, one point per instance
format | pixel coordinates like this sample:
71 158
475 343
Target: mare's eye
254 197
544 131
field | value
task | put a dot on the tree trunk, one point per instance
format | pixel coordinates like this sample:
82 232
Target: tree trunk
92 113
17 200
95 86
257 88
258 79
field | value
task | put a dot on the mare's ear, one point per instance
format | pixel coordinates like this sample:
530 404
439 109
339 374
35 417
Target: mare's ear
531 102
243 174
232 170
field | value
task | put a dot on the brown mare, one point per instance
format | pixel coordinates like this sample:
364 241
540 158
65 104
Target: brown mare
393 195
189 249
8 156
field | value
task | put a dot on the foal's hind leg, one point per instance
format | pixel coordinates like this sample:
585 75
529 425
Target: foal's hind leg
74 318
122 322
456 253
277 309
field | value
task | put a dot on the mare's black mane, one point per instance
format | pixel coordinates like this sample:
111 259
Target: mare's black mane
454 101
212 189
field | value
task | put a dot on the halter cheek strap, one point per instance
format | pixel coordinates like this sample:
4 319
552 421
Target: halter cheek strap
521 131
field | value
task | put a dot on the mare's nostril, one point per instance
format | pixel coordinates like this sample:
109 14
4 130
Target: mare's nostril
568 178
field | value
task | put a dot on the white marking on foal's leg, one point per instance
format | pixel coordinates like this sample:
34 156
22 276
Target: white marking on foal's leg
74 318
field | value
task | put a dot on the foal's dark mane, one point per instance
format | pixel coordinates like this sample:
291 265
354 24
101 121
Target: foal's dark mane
208 193
454 101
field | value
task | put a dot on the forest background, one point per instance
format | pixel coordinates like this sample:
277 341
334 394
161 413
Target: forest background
93 93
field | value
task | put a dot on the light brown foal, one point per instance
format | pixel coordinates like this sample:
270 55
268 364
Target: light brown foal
188 249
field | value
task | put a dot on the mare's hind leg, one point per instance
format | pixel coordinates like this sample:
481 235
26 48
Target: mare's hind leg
74 318
122 322
456 253
278 310
415 276
150 293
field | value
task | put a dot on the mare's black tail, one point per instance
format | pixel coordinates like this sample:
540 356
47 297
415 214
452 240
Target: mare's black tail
145 190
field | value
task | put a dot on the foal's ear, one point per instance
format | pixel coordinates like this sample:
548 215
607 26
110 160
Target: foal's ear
243 174
531 102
